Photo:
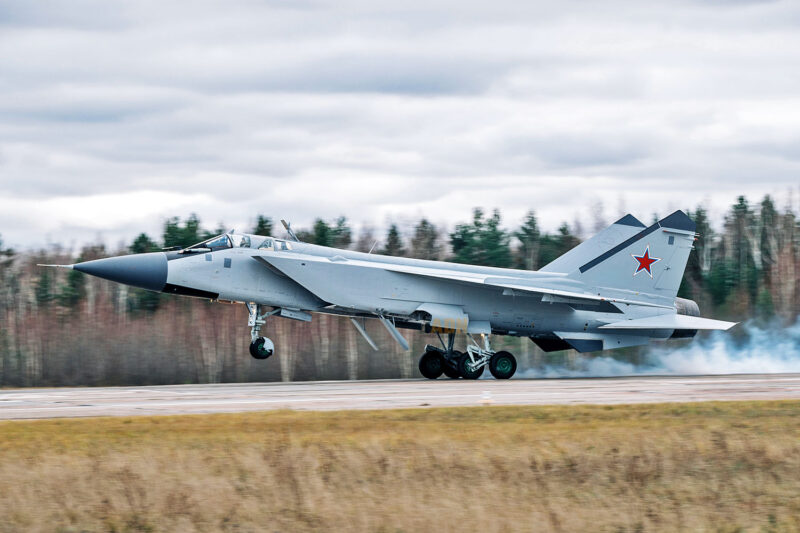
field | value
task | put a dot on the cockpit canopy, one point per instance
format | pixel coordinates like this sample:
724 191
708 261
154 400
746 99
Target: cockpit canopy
240 240
237 240
274 244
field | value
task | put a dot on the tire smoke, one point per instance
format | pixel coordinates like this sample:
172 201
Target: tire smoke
756 350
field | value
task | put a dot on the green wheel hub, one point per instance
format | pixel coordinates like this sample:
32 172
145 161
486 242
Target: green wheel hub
504 364
261 348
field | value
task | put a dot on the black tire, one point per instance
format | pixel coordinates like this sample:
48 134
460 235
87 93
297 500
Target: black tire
257 349
464 364
451 371
431 365
502 365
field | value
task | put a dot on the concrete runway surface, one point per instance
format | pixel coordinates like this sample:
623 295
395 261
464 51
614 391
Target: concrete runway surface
330 395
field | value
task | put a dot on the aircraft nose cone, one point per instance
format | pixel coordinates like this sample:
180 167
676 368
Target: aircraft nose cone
148 271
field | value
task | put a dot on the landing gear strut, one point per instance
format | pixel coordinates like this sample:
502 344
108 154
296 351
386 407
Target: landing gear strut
469 369
260 347
468 365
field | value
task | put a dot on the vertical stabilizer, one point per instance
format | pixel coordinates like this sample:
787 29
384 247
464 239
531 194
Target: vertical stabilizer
652 261
621 230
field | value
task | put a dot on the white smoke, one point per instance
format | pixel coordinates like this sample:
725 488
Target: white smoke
772 350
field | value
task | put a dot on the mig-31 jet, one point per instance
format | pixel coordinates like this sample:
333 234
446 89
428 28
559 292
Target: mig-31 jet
615 290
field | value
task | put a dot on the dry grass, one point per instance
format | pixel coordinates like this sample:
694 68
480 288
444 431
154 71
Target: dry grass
691 467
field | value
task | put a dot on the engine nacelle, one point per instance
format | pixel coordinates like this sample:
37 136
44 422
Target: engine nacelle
688 308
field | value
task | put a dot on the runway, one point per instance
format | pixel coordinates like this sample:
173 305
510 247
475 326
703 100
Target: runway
331 395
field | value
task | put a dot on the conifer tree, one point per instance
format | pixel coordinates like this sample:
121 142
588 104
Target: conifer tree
394 242
44 287
483 242
341 234
143 244
263 226
321 233
424 243
72 291
553 246
528 236
186 234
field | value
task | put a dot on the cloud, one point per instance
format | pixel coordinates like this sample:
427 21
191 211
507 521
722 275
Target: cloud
375 111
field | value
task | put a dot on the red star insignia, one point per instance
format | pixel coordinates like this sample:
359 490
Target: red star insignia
645 261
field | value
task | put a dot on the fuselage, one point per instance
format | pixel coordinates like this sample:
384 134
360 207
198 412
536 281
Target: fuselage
234 274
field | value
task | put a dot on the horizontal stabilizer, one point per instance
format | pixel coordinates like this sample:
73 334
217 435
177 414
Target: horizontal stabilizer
671 322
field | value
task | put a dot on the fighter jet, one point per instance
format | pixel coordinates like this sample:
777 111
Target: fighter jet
615 290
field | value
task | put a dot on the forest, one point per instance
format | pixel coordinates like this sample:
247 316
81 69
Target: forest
60 327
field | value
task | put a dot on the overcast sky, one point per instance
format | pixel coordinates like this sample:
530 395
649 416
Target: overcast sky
114 116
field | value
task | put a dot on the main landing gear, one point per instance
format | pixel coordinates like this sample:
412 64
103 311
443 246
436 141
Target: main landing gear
260 347
468 365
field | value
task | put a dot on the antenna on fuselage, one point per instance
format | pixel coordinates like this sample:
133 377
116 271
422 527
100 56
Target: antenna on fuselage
289 230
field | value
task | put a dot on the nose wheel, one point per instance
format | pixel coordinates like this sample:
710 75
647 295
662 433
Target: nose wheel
260 347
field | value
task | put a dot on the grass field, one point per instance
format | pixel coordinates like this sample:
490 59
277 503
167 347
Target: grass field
676 467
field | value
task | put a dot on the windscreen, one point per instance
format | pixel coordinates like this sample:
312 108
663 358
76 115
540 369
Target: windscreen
215 243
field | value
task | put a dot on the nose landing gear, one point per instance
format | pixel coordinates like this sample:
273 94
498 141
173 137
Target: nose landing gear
260 347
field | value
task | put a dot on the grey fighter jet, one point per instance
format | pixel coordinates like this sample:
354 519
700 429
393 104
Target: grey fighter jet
615 290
